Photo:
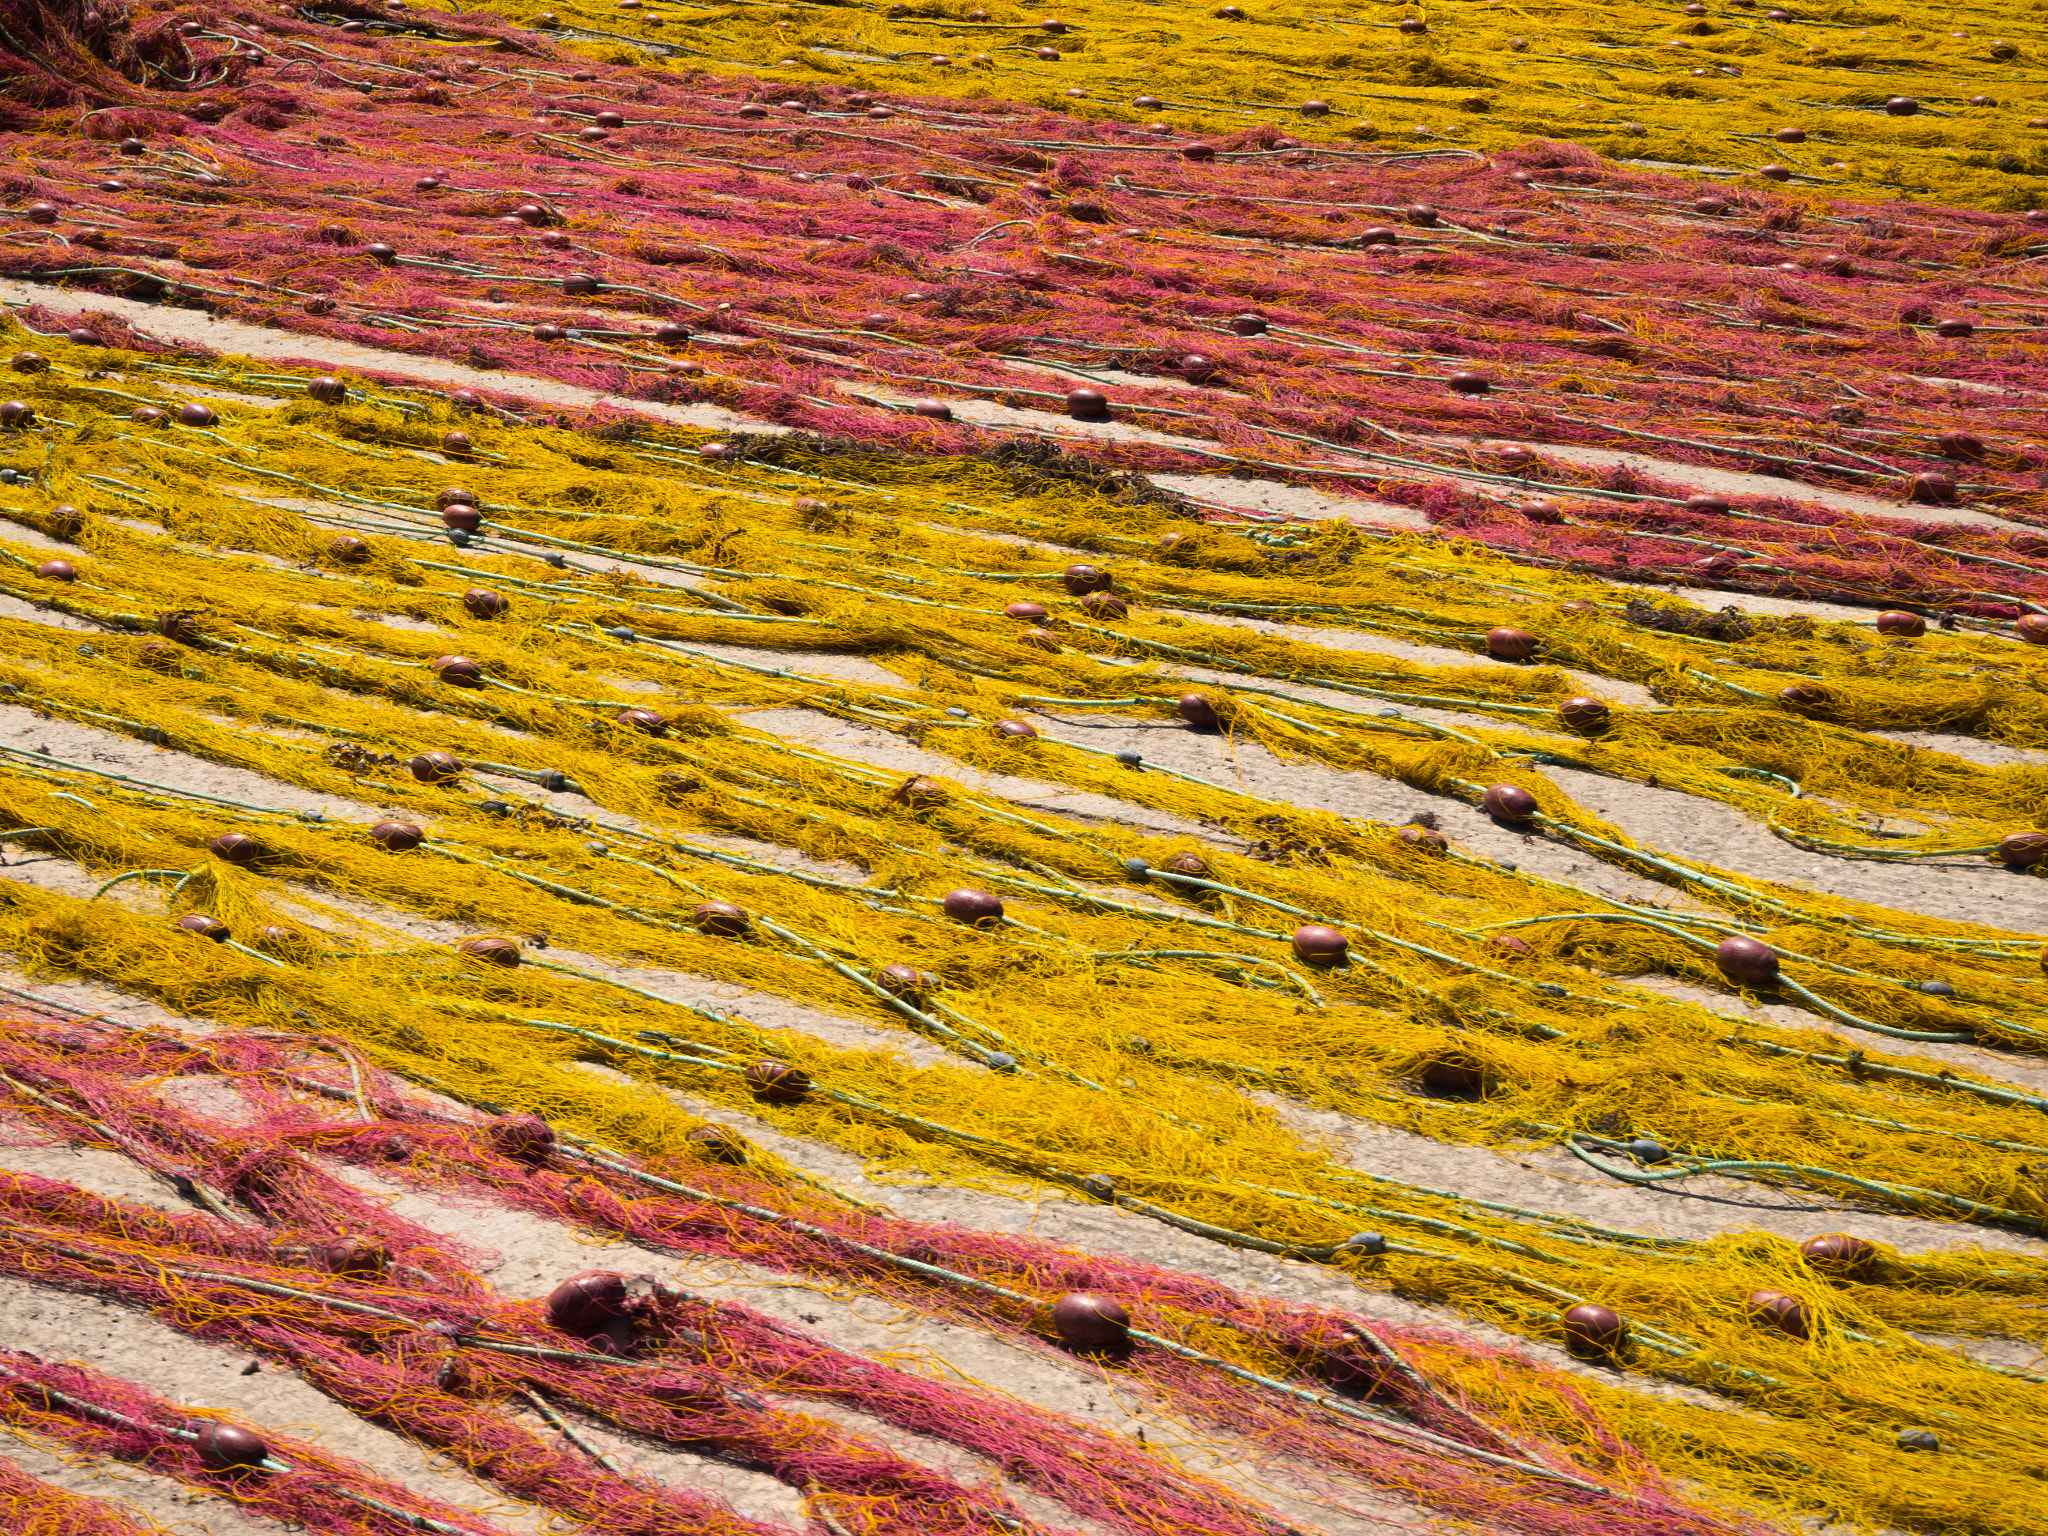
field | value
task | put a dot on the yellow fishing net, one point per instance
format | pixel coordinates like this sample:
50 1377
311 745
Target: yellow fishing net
1128 1032
1700 88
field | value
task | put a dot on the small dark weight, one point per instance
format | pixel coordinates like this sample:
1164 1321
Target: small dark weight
229 1447
1422 839
235 848
1197 368
1088 1321
41 213
148 416
1508 802
1320 946
1105 605
1803 696
1957 444
1186 864
1745 961
1016 730
458 671
1708 504
436 767
1025 613
1582 713
57 570
645 721
1199 710
1775 1309
2020 849
2033 628
670 334
456 515
457 442
1591 1329
1511 644
721 919
588 1303
327 391
456 495
272 933
1896 621
1955 330
1044 639
1469 383
483 603
193 414
1547 513
1248 325
206 927
398 836
28 362
17 413
1901 106
1839 1253
524 1138
348 548
777 1082
1080 580
971 906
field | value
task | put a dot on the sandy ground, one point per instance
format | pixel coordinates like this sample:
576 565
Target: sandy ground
529 1254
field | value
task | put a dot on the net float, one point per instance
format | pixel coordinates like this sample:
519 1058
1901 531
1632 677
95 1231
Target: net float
1320 946
971 906
458 671
1840 1253
721 919
1088 1321
228 1447
398 836
1592 1329
1774 1309
1511 644
436 767
1745 961
1509 802
716 1144
492 951
1080 580
524 1138
777 1082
